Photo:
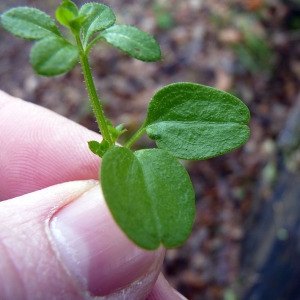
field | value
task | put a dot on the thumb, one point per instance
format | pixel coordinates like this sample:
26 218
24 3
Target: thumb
61 242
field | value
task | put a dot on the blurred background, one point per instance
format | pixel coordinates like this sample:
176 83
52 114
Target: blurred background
246 240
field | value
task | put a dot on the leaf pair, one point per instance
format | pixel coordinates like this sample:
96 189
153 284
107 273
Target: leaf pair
150 196
53 55
149 192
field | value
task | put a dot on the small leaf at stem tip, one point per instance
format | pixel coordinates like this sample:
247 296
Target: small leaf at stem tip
195 122
53 56
117 131
97 18
64 16
29 23
133 41
98 148
67 15
150 195
76 24
70 6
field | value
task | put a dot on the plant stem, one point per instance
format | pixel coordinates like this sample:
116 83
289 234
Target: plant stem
93 42
135 137
96 104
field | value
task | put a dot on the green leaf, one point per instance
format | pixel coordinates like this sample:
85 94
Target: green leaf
116 131
53 56
29 23
66 12
64 16
67 15
98 17
149 194
194 122
133 41
98 148
76 24
70 6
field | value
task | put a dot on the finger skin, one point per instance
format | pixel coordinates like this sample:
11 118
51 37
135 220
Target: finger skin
28 264
40 148
31 266
163 290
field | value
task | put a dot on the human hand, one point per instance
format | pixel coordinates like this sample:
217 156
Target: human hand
57 237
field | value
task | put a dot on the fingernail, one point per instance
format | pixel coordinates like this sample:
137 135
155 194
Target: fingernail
94 250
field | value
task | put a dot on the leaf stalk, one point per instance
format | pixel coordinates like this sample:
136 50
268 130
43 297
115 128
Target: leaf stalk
135 137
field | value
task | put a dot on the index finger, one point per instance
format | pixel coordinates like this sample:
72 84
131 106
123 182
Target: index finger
40 148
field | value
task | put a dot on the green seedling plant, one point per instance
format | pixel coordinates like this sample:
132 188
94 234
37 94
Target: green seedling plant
148 191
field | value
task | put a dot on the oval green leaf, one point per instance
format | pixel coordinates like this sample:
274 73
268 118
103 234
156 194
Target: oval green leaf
133 41
150 195
195 122
29 23
66 12
53 56
97 18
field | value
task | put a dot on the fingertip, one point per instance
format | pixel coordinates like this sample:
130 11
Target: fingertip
163 290
97 253
85 256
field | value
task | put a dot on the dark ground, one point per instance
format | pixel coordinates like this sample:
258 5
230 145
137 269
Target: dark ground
250 48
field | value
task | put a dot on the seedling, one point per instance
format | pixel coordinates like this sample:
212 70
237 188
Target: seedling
148 192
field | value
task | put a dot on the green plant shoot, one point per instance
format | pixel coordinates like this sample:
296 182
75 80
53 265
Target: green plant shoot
148 192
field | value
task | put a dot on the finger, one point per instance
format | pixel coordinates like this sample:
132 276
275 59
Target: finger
61 243
39 148
163 290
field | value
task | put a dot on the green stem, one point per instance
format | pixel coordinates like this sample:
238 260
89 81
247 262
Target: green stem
96 104
92 43
135 137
